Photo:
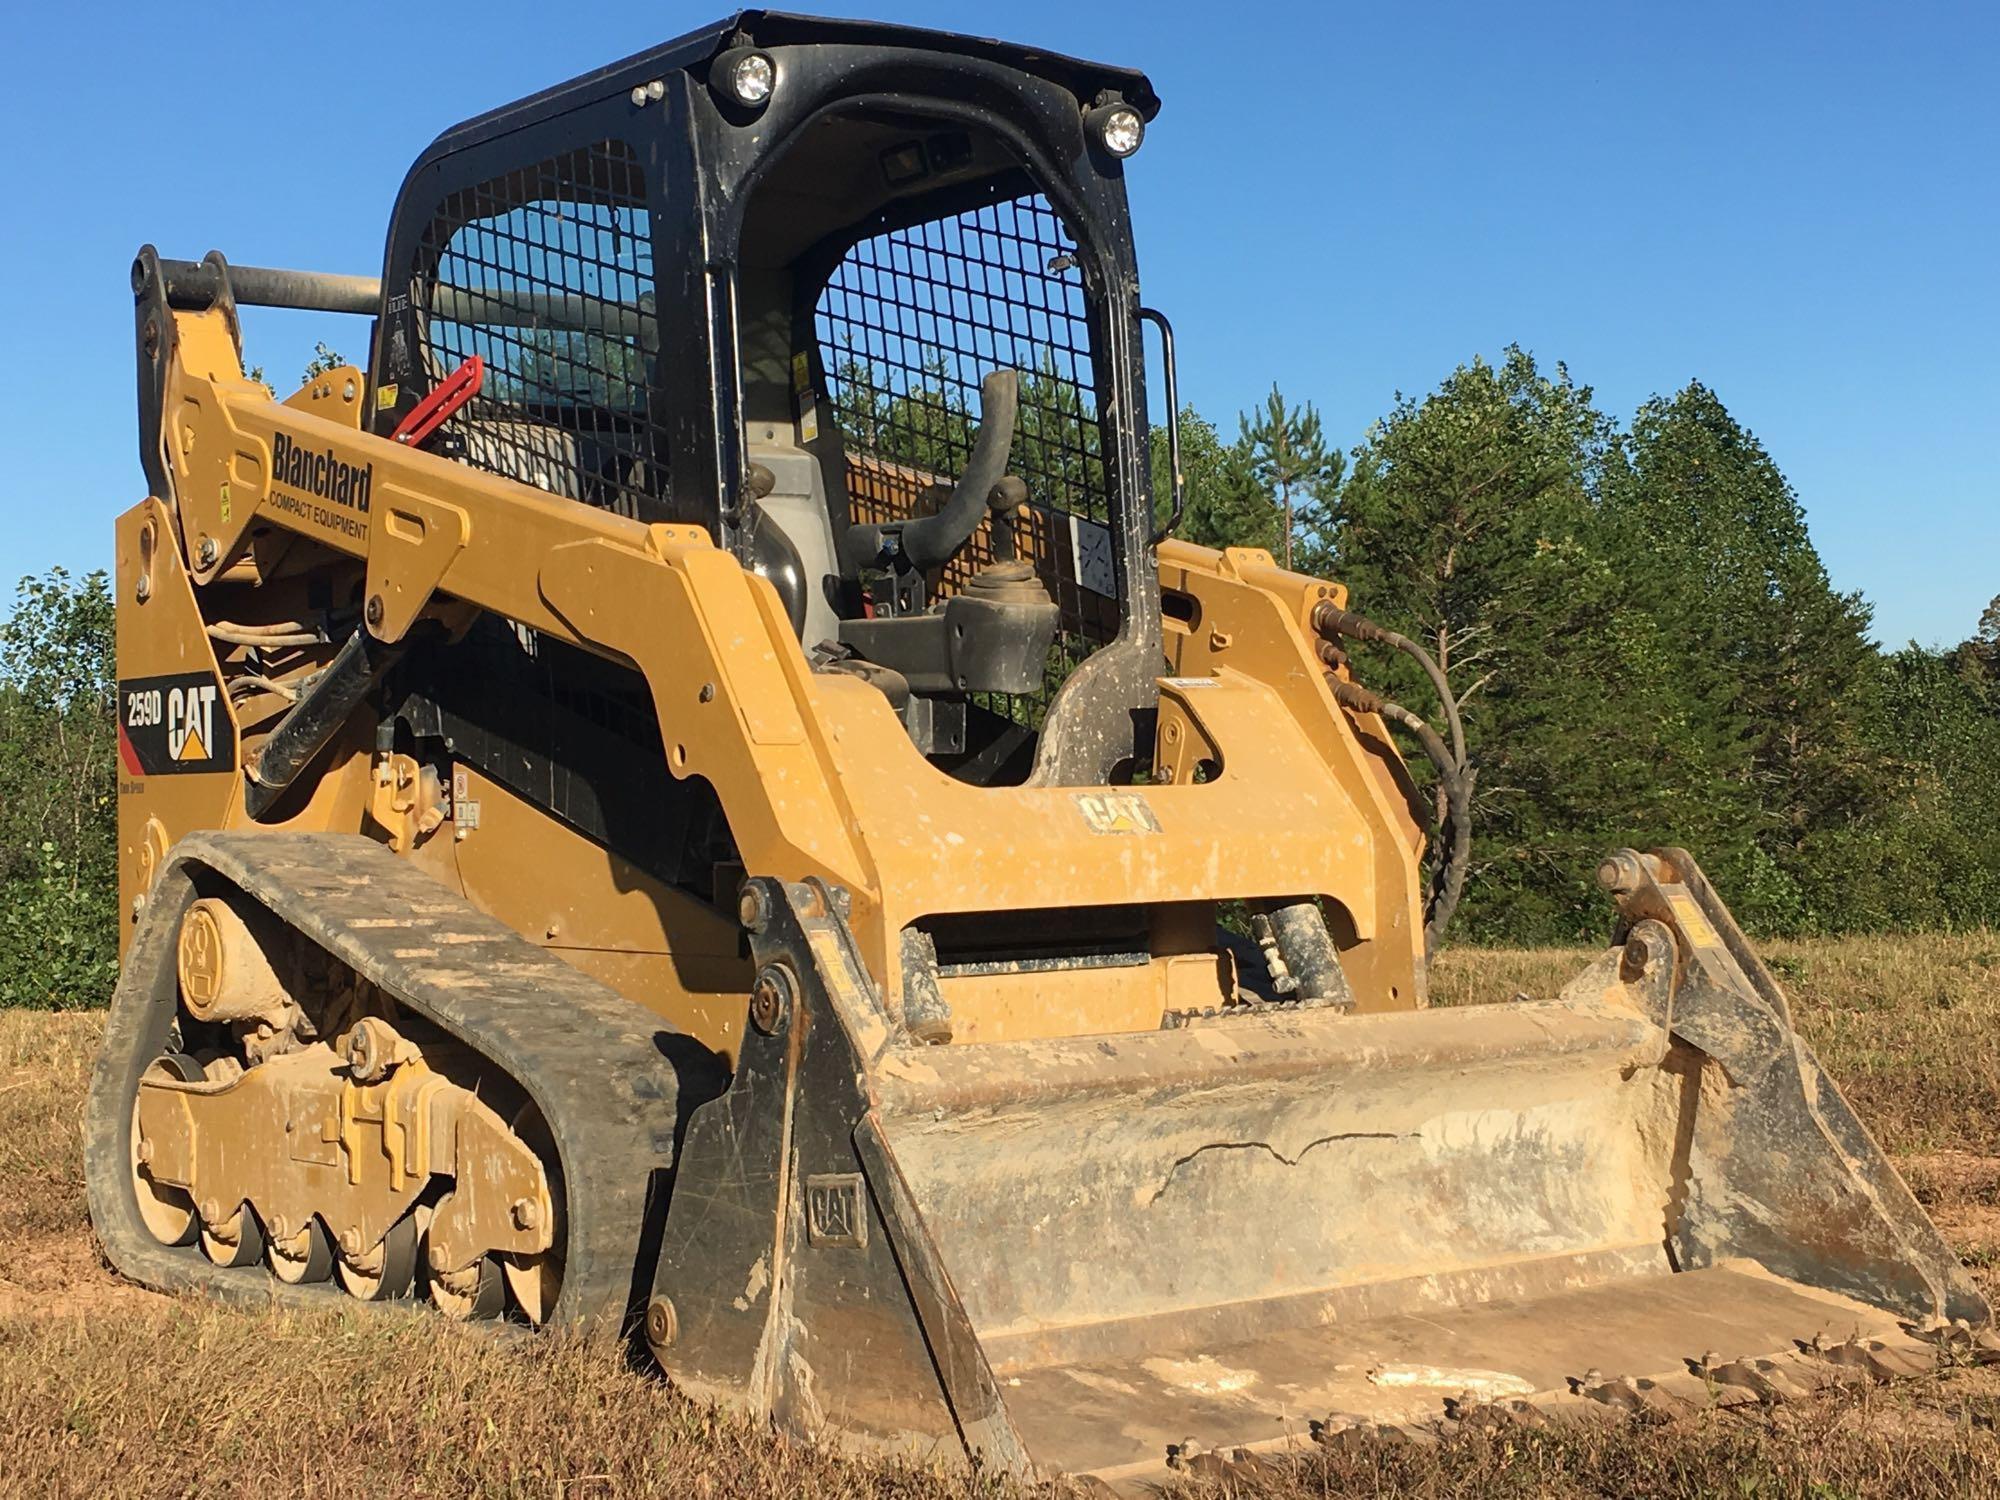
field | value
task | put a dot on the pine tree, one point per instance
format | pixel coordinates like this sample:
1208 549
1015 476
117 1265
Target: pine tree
1470 523
1204 461
1284 453
1978 660
1225 505
1723 530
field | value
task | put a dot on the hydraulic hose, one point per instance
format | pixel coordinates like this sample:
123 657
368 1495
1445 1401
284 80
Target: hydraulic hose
1455 780
1329 619
1455 775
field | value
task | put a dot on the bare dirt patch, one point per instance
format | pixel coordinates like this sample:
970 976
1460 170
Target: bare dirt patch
59 1277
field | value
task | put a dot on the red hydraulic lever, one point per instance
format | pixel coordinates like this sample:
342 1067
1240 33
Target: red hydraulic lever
431 413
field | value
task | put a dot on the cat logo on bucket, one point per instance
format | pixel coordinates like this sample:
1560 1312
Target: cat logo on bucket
174 724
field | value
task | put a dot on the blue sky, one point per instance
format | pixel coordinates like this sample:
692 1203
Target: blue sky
1795 203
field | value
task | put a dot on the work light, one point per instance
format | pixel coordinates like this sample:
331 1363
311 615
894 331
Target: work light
1118 128
746 76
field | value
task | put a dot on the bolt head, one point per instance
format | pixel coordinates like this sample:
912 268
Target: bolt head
662 1322
350 1241
1649 951
527 1213
205 553
771 998
375 609
145 1153
1635 957
1620 872
754 908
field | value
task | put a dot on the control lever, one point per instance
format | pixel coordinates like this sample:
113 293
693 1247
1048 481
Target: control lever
1005 502
928 542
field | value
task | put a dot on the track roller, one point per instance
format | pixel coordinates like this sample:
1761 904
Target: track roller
303 1257
477 1291
535 1281
168 1212
237 1240
548 1209
384 1270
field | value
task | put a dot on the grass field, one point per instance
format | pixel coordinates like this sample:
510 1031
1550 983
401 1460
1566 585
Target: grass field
110 1390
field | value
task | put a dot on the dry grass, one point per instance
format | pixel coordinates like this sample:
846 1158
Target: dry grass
113 1391
195 1400
1909 1026
45 1065
1911 1029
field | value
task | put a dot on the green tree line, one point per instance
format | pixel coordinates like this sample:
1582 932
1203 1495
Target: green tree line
1642 638
1645 646
58 787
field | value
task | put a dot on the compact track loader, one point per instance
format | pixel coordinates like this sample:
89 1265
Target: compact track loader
696 793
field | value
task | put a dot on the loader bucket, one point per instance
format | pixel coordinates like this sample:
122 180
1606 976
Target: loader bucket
1094 1254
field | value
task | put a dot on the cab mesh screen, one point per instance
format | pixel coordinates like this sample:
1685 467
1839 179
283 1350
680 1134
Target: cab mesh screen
910 322
546 273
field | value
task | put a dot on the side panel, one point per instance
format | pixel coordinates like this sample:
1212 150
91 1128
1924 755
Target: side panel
655 945
181 750
163 648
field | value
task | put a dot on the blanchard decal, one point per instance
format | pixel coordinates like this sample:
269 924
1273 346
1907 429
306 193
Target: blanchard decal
174 725
319 486
323 475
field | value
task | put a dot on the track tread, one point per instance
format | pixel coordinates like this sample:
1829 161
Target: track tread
604 1071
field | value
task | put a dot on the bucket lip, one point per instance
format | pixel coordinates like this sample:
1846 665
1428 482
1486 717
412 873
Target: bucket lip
990 1075
1575 1349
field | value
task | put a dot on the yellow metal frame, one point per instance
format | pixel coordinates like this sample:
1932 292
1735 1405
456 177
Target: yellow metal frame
815 772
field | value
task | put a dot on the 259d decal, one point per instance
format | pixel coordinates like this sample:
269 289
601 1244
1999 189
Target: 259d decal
174 725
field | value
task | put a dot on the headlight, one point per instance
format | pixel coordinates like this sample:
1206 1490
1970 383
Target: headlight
750 78
744 76
1119 128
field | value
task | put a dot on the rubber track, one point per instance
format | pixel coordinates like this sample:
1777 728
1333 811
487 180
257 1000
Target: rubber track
597 1065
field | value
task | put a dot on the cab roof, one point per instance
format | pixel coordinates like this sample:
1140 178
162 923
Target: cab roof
770 28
